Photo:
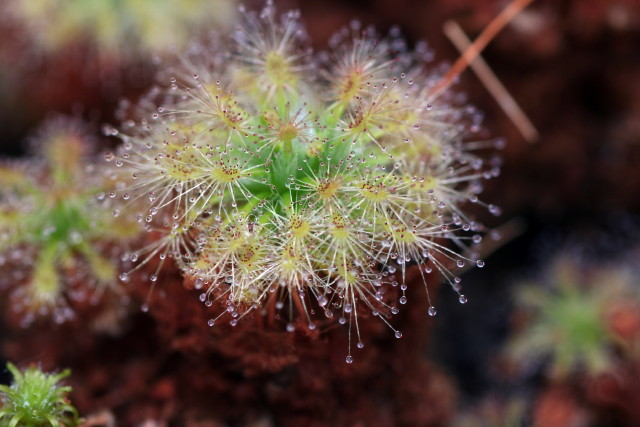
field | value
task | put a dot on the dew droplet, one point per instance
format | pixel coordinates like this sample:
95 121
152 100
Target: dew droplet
480 263
432 311
462 299
494 210
349 359
398 334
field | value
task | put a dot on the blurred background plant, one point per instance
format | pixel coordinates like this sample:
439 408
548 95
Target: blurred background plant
117 28
567 317
581 323
58 245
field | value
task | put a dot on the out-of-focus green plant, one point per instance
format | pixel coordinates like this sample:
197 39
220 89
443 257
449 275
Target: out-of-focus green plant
35 399
119 27
574 317
52 228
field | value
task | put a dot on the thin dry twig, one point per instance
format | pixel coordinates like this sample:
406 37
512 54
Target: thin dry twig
494 27
492 83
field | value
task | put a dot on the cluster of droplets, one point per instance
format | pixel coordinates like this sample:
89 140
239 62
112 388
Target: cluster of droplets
293 183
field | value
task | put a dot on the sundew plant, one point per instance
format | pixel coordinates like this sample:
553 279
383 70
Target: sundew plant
114 26
287 181
580 316
54 235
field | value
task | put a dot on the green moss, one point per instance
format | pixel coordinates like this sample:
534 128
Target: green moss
36 399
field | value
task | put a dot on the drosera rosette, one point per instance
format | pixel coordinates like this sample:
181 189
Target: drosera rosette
579 317
55 237
117 29
287 182
36 399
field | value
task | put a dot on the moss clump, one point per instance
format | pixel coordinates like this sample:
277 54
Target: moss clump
36 399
